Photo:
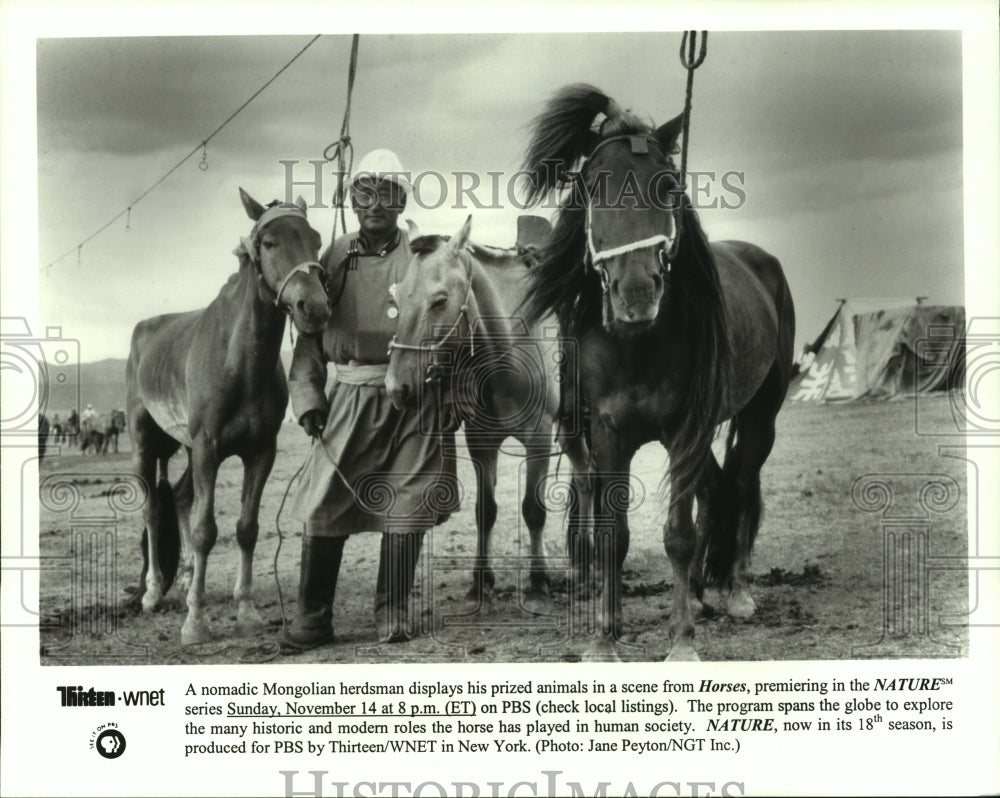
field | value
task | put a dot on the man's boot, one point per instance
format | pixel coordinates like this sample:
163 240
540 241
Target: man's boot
313 624
396 569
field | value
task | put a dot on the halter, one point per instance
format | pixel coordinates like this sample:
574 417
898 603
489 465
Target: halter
252 246
434 370
670 244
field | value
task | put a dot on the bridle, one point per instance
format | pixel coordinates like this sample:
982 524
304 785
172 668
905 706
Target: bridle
435 371
252 246
668 244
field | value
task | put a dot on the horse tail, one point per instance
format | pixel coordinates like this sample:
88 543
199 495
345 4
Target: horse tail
169 543
722 519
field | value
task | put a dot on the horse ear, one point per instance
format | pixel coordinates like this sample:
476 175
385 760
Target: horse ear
412 230
668 133
461 239
301 203
253 208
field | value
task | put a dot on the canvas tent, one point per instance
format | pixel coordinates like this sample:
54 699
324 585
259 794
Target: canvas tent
882 351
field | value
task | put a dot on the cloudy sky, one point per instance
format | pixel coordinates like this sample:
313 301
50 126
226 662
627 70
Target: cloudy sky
850 147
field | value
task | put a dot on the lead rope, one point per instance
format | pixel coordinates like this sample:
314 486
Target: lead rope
342 149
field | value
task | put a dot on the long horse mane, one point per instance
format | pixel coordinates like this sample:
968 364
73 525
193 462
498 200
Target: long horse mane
560 283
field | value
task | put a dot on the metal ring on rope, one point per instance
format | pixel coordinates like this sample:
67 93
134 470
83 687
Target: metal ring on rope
342 150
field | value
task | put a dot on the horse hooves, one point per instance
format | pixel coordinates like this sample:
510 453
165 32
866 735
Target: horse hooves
741 605
194 632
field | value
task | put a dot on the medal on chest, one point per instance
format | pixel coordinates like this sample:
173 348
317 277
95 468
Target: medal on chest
393 310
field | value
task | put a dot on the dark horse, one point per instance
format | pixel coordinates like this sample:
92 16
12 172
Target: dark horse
455 324
675 336
211 380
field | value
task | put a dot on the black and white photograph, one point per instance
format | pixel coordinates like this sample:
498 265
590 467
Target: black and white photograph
444 402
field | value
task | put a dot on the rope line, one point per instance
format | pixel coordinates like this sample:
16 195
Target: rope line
201 146
342 150
690 61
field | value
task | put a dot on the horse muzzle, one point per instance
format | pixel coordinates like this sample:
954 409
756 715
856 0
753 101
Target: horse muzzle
636 301
400 392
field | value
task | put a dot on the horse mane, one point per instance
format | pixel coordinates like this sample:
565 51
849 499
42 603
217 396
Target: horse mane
425 245
561 283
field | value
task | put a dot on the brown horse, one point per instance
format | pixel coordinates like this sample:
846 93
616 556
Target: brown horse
455 327
211 380
675 337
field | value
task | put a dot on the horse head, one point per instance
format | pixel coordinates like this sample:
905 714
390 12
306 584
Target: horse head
619 230
436 309
284 250
632 222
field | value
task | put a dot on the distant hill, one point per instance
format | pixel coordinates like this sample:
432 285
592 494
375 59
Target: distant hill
101 383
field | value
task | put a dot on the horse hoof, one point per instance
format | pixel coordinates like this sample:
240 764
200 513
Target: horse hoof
151 600
194 632
741 605
683 652
537 602
479 599
248 621
602 652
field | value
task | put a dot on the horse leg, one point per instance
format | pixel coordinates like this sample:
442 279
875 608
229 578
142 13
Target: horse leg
184 498
144 467
755 431
756 446
579 531
483 578
611 537
204 532
681 544
533 512
256 470
708 493
151 445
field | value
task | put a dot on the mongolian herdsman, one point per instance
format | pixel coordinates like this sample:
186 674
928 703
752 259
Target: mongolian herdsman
372 466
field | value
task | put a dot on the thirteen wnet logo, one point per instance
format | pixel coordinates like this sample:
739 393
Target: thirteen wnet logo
108 741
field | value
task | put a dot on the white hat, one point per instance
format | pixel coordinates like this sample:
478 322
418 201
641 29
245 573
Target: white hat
383 165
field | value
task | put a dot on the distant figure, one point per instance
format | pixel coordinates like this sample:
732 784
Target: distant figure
56 429
43 434
88 424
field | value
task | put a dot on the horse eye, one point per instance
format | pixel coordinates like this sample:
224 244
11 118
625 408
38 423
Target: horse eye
267 243
439 303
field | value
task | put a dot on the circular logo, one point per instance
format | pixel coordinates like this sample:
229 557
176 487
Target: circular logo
110 743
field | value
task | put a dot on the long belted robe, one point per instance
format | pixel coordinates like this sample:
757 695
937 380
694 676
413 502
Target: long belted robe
392 474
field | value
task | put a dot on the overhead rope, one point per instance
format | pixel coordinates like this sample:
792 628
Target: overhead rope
342 150
690 62
201 146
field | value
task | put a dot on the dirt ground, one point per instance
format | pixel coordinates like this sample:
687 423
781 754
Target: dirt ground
818 569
